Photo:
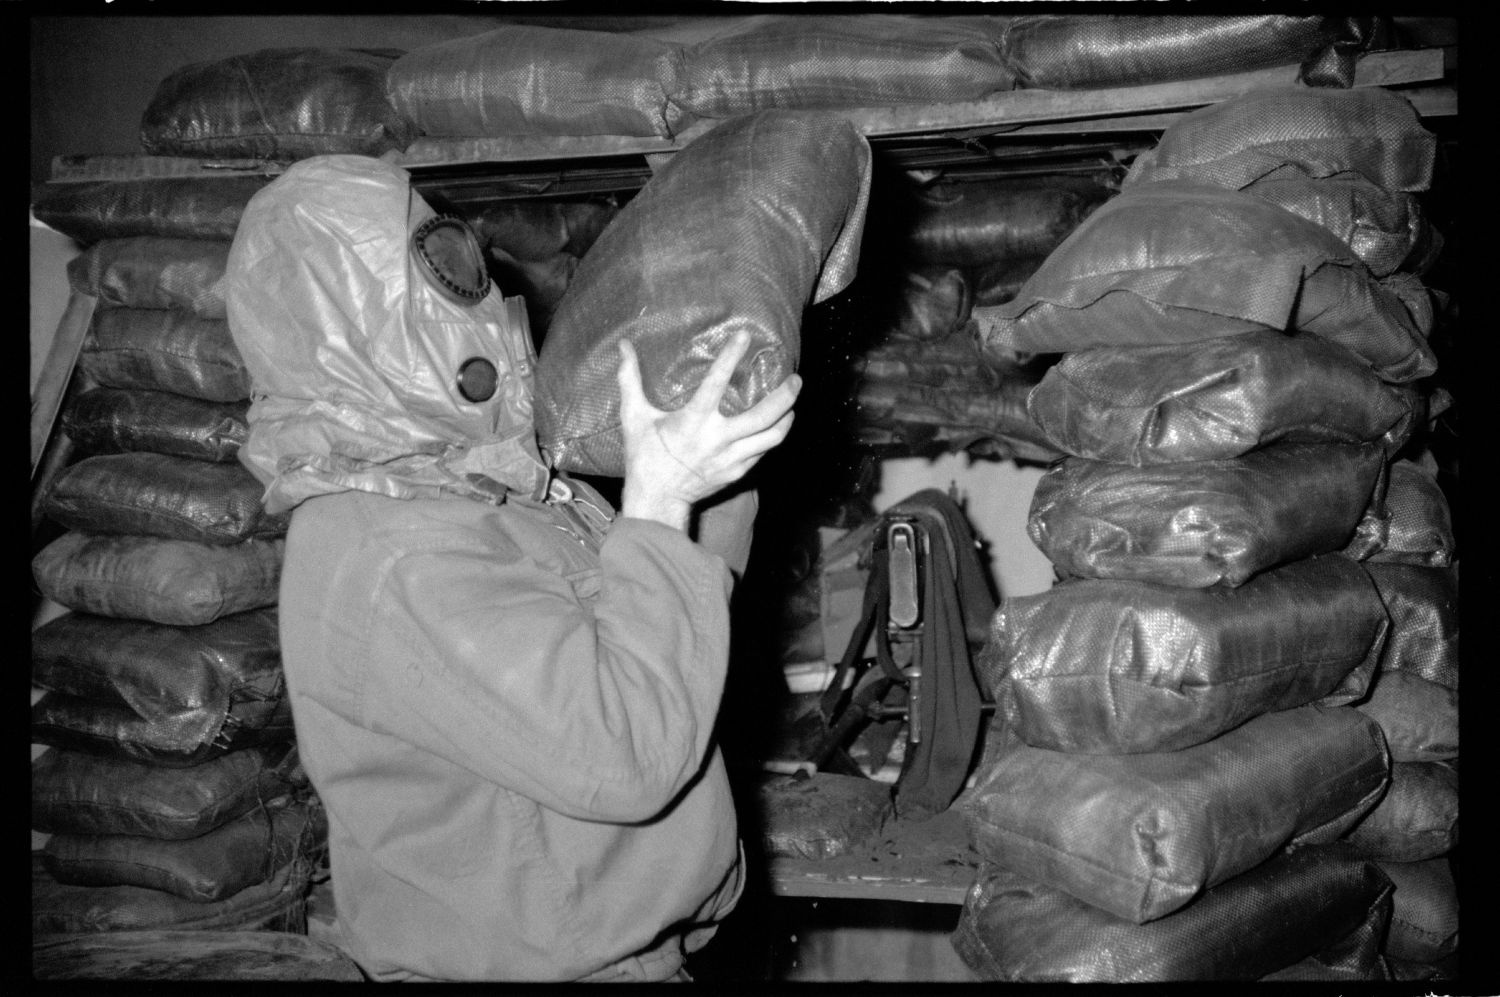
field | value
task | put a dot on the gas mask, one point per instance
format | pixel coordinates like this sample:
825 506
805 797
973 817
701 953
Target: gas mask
381 357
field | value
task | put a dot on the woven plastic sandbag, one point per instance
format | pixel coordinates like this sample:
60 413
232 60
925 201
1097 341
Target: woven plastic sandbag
1417 819
119 420
1317 131
1147 405
179 738
148 271
931 303
277 904
277 103
158 495
1206 522
76 793
974 223
1424 913
1112 667
1141 835
212 866
1014 929
1356 958
1066 52
176 582
1424 611
741 230
531 80
1419 524
1178 262
161 349
540 229
1000 281
940 395
821 816
183 683
815 61
1419 718
1383 227
169 207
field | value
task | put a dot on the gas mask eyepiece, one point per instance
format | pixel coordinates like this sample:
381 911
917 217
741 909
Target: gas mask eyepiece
451 258
478 379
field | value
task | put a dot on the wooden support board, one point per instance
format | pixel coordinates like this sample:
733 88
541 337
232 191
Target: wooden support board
1019 112
57 370
919 861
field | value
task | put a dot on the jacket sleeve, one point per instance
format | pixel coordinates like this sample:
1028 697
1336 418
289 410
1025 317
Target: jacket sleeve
599 709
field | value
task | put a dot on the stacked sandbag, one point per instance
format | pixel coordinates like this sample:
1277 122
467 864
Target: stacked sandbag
742 230
169 788
657 83
922 386
1355 162
1093 51
277 104
1194 702
533 248
1412 834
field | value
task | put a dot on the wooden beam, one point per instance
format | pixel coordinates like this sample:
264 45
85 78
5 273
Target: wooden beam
57 370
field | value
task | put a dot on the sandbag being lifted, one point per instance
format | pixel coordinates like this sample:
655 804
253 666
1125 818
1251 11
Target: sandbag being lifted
1142 835
1104 666
1147 405
1207 522
741 230
1179 262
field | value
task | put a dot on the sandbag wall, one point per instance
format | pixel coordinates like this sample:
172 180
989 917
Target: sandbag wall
919 383
1225 741
659 82
170 787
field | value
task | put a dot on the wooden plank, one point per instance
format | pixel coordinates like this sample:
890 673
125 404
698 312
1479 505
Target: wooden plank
56 371
87 169
433 151
1429 102
190 955
917 861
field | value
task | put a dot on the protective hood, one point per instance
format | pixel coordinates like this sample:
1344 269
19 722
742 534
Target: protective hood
356 349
